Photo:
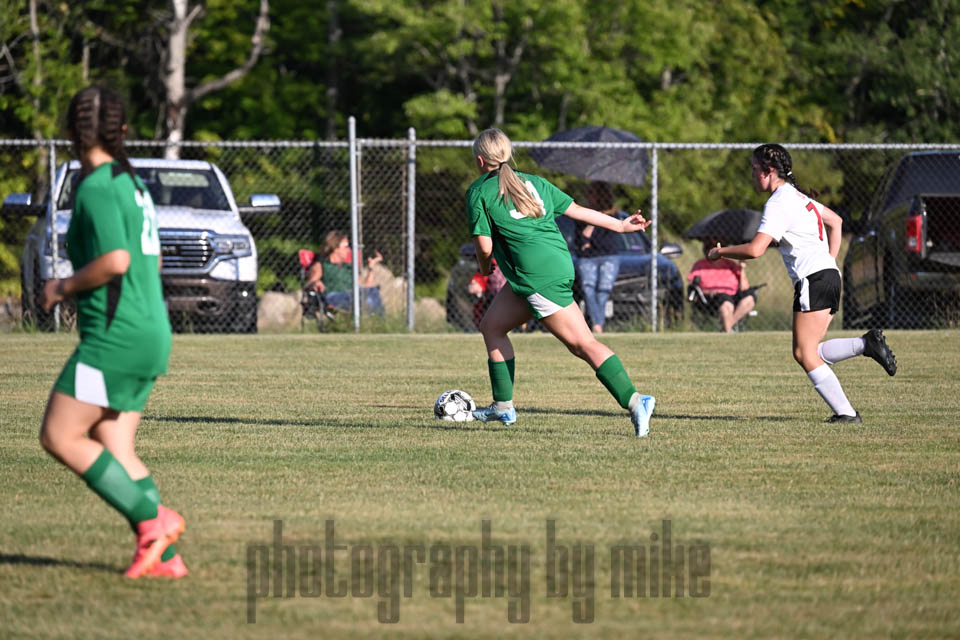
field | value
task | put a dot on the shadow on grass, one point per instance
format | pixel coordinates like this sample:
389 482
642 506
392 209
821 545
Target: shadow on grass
473 425
440 425
43 561
245 421
604 413
658 415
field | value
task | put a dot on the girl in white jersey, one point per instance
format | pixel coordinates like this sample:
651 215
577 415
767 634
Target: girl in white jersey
809 238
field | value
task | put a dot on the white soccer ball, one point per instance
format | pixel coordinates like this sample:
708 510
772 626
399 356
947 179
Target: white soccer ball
455 406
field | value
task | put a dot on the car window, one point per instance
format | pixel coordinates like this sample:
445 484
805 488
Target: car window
926 173
70 183
635 242
195 188
877 197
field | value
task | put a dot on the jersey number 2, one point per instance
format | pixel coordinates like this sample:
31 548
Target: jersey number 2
149 237
810 207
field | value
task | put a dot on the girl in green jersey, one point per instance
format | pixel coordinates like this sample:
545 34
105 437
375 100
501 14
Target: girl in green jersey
95 406
512 218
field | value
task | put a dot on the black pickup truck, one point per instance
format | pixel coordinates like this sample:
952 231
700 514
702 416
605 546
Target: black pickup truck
903 266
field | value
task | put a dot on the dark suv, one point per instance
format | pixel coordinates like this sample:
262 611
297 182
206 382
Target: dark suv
630 300
903 265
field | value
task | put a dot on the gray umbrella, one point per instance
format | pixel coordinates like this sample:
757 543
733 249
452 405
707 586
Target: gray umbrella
614 165
727 225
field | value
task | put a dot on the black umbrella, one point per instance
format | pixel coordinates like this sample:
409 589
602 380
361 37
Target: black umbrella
727 225
615 165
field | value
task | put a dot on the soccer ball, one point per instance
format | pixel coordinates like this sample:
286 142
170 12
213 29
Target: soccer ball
455 406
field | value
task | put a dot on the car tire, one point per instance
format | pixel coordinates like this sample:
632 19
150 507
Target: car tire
33 313
245 317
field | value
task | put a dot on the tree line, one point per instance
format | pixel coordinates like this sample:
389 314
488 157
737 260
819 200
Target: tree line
668 70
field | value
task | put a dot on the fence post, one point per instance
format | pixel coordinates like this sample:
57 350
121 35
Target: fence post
411 222
354 221
52 228
655 246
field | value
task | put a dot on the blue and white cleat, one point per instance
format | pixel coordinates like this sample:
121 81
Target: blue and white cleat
488 414
641 415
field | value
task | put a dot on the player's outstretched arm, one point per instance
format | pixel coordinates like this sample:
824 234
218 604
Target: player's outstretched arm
636 222
748 251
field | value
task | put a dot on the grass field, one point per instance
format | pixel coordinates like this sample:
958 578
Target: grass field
813 530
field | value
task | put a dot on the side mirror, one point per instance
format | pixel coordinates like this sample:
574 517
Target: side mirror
20 205
261 203
671 250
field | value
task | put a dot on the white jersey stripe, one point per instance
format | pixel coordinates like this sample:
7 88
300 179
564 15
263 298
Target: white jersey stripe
542 305
89 385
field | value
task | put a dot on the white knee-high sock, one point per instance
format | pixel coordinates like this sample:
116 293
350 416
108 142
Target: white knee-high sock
833 351
825 382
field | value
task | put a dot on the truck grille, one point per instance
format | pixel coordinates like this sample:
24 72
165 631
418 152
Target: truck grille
185 250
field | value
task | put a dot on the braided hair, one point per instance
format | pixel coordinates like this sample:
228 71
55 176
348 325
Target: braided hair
96 117
774 156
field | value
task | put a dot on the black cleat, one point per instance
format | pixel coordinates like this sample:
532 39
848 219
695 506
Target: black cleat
876 348
838 418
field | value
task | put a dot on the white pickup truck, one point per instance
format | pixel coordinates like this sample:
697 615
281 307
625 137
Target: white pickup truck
209 267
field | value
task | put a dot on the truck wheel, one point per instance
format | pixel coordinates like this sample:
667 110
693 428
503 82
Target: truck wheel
245 318
33 314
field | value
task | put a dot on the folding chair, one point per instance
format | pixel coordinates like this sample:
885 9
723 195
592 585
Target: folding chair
312 303
703 316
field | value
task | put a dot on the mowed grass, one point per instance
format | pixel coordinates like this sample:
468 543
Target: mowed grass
814 530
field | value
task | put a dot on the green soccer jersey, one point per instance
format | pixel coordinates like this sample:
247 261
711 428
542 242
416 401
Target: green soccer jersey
337 277
531 252
123 324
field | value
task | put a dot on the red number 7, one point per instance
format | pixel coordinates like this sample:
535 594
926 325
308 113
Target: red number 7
810 207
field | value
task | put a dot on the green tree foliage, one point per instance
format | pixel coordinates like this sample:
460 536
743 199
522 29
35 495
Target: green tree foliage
667 70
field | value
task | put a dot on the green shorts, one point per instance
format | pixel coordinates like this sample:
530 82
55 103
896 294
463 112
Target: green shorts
550 299
117 391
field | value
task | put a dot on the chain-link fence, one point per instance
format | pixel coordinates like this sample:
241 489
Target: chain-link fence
231 265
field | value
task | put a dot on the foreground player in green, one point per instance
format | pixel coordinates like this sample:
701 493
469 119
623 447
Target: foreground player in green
512 218
95 406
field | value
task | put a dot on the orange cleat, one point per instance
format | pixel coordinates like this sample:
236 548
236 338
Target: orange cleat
153 538
172 568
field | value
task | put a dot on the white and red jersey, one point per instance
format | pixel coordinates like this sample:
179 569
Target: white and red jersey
793 220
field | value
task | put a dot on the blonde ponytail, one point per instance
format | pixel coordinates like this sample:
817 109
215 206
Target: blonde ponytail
495 148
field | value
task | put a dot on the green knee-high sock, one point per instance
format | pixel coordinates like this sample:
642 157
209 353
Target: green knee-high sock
511 366
501 379
150 488
614 377
109 480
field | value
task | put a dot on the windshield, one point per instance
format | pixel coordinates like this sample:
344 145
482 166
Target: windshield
924 173
168 186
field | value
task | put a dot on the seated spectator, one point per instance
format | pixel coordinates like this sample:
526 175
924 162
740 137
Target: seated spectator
332 275
725 286
484 288
597 263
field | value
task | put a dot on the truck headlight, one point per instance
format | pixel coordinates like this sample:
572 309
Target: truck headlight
238 246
